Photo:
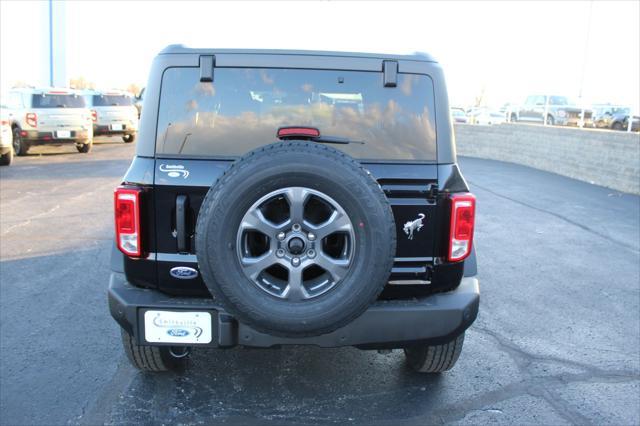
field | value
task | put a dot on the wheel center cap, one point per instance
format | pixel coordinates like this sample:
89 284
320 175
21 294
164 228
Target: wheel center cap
296 245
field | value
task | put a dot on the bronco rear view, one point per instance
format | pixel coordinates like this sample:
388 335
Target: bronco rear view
294 198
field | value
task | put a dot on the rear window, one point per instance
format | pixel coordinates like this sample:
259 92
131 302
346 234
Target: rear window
558 100
243 108
47 100
111 100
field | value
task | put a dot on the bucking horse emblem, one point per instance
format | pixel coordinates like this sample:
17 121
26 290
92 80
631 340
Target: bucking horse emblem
413 226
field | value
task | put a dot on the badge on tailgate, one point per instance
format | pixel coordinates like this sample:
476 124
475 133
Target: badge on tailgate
413 226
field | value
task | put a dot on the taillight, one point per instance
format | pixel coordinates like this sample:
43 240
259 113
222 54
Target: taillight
32 119
463 217
127 213
94 115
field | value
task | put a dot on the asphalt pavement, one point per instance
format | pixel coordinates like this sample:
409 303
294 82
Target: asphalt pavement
557 340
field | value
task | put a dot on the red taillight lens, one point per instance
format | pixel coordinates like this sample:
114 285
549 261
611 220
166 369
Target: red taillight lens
300 132
32 119
463 218
127 213
94 115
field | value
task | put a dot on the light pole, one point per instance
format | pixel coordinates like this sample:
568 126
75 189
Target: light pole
51 43
584 63
56 60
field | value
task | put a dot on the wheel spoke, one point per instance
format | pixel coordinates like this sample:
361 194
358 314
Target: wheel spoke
295 290
254 265
296 197
256 220
337 268
337 222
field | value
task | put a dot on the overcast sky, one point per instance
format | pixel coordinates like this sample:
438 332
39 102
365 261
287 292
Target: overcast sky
509 49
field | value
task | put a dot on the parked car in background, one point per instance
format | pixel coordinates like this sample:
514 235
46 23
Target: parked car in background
486 116
559 110
49 116
138 102
459 116
615 117
6 138
113 114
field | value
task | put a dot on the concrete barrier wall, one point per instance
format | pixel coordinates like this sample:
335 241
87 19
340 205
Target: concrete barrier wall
606 158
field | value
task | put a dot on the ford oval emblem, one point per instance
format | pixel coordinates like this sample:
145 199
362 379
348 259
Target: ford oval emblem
183 273
177 332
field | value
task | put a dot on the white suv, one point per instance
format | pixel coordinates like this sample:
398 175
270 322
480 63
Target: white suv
49 116
6 138
113 113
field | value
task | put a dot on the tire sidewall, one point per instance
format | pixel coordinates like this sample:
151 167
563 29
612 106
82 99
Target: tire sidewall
19 145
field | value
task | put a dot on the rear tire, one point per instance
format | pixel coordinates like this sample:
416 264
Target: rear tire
151 358
550 120
86 148
617 126
6 159
20 147
129 138
434 358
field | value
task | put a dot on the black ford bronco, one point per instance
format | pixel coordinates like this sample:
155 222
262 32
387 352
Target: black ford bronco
294 198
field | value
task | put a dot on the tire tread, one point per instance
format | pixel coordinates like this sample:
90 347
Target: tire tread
148 358
435 358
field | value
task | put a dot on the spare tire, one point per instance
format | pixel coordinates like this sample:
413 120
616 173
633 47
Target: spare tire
295 239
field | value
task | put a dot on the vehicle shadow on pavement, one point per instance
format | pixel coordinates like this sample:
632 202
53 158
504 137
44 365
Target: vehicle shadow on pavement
83 166
112 141
61 151
289 384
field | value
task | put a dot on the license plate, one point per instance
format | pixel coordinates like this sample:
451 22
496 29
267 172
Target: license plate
177 327
63 134
116 127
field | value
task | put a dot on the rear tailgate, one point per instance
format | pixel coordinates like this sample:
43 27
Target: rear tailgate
116 114
183 184
62 117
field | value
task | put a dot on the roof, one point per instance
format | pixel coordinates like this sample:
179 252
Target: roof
182 49
70 91
115 92
64 90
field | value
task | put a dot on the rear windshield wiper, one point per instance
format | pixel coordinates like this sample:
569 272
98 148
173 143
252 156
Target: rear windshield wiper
312 134
335 139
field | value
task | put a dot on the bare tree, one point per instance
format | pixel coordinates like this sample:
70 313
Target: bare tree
81 83
480 98
20 84
133 88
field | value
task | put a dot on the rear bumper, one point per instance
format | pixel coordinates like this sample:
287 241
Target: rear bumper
49 137
387 324
573 121
106 130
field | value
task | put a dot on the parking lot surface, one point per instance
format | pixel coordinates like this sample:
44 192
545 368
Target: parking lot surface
557 340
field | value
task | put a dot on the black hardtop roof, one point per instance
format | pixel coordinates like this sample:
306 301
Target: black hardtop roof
181 49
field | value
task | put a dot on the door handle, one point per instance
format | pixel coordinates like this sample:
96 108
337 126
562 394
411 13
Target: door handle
182 204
